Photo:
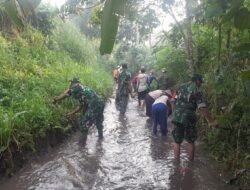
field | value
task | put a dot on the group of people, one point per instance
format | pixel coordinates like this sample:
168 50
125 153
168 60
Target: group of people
159 105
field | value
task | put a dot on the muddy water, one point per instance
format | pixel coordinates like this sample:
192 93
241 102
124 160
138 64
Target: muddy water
127 158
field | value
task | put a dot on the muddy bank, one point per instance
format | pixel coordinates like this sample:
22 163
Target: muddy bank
15 157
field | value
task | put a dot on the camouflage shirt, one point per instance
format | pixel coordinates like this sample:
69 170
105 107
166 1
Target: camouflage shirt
92 103
189 98
162 82
124 83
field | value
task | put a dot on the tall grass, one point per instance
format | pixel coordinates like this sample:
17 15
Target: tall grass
31 74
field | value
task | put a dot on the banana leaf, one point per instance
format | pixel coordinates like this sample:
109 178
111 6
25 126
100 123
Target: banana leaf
11 9
110 22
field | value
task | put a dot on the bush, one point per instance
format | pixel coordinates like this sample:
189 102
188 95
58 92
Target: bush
30 75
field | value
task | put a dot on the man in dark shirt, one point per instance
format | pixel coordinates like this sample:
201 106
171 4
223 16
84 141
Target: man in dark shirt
91 104
124 88
189 98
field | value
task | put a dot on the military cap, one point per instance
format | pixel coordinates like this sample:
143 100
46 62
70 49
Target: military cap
75 80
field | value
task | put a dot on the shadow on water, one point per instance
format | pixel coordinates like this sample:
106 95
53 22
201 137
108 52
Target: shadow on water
128 157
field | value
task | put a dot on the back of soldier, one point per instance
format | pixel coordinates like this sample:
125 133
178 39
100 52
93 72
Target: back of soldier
185 105
186 96
124 80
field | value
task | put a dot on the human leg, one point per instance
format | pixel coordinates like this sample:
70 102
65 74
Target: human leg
163 118
191 150
99 125
98 117
123 104
190 137
84 130
144 93
154 119
178 135
177 151
139 98
149 102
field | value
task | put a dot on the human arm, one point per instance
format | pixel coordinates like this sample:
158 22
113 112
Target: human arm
76 110
203 108
61 96
211 122
137 84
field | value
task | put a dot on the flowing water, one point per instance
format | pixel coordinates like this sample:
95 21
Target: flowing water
127 158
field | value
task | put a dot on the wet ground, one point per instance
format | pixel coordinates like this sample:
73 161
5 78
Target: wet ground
128 158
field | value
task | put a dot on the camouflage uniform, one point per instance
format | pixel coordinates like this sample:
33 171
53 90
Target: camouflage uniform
122 95
93 107
162 82
189 98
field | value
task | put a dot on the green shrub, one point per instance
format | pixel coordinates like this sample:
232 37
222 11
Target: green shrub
30 75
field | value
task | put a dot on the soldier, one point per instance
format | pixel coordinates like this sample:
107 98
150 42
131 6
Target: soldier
189 98
163 80
90 103
152 81
124 88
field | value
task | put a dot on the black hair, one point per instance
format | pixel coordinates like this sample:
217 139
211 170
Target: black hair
124 66
196 77
142 70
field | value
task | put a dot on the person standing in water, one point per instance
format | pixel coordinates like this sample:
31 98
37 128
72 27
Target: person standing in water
91 105
124 89
142 87
189 98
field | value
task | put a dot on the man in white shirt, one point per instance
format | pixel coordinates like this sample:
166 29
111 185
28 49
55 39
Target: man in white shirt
160 115
152 96
142 87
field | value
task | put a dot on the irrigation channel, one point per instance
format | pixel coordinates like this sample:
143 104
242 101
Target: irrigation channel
128 158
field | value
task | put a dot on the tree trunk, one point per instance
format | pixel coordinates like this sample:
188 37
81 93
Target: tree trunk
189 38
187 35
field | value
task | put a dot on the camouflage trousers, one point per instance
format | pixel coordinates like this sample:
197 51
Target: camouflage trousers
181 132
121 103
93 116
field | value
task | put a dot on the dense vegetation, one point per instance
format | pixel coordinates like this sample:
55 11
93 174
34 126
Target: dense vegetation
211 39
31 74
221 54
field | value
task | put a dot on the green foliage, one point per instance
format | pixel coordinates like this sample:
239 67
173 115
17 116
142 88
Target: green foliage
77 46
110 22
30 75
173 60
222 28
245 77
96 15
136 57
